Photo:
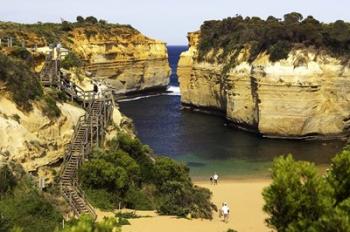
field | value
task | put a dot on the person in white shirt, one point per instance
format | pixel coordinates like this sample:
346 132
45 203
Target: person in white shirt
225 211
215 177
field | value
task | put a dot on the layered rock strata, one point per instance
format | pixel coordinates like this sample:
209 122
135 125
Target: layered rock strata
306 95
119 55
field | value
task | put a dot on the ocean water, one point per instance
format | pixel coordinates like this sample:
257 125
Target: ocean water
203 141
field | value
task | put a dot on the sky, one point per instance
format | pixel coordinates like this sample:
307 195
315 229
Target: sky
167 20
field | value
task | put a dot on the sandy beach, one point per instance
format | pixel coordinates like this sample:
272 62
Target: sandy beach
245 201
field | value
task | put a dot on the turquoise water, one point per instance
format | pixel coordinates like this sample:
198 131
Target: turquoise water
206 145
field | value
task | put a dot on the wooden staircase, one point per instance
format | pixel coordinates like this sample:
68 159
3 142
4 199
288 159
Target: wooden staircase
89 132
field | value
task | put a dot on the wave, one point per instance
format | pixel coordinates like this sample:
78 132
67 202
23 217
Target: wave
171 91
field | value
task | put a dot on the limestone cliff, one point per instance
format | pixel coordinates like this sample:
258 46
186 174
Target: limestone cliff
128 62
124 58
305 95
38 142
31 138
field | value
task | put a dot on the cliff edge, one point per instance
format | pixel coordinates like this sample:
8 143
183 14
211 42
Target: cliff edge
119 55
306 94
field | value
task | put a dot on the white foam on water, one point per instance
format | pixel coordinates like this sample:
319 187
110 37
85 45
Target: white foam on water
138 98
171 91
174 90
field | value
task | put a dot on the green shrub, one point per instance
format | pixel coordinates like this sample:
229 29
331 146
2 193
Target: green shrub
7 180
29 210
4 223
91 19
20 81
102 199
166 169
23 54
127 215
49 107
80 19
231 230
66 26
137 199
339 176
17 118
71 60
138 152
86 224
128 173
279 51
299 199
99 173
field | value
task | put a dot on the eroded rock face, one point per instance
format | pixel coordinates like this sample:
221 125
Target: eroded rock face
127 62
33 139
124 58
37 142
305 95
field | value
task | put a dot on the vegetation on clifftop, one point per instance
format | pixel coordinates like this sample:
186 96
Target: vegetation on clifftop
43 34
274 36
299 199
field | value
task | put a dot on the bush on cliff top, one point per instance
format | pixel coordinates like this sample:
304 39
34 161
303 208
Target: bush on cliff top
273 35
127 174
20 81
43 34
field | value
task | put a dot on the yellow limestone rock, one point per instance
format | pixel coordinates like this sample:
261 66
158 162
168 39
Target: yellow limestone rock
305 95
127 62
33 139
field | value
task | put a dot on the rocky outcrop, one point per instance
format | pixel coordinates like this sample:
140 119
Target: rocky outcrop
122 57
306 95
31 138
37 142
128 62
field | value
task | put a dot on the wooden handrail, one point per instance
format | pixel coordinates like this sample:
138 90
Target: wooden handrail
88 132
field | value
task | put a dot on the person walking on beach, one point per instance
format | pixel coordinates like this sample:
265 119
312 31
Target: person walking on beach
215 178
225 211
211 180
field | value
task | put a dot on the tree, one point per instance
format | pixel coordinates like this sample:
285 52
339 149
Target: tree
102 21
80 19
279 51
293 18
91 19
66 26
339 176
301 200
297 196
99 173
